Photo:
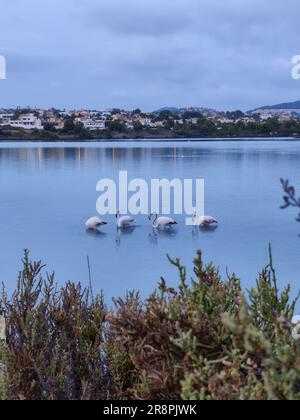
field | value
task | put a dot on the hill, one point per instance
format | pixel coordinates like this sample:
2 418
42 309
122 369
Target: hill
287 106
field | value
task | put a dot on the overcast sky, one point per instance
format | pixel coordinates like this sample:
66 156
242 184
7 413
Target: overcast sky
149 53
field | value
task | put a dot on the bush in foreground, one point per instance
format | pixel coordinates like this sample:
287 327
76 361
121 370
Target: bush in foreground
206 340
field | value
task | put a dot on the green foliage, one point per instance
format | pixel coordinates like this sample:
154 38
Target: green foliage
69 126
137 112
117 126
23 111
77 129
49 127
206 340
137 126
53 339
202 128
266 304
192 114
235 115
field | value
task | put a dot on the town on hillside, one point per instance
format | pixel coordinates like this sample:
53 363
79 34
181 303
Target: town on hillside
167 122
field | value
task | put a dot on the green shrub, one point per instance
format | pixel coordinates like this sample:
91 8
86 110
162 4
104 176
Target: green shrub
54 338
206 340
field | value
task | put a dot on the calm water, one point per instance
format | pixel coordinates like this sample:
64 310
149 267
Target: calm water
48 191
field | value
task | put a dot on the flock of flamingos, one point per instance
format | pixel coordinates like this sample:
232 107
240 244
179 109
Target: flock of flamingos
160 222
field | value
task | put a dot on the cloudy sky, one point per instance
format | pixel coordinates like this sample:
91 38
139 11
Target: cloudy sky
149 53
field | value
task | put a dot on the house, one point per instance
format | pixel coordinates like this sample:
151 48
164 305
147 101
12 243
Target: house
26 121
179 122
159 124
119 117
91 124
225 120
5 117
146 122
54 118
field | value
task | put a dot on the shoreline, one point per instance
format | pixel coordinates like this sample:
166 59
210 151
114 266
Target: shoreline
156 140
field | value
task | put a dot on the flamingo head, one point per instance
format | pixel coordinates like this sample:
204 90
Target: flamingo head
151 215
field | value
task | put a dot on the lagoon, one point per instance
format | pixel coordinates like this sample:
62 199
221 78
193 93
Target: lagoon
48 190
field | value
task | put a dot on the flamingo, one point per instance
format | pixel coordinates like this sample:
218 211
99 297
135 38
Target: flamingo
161 221
204 220
123 221
94 223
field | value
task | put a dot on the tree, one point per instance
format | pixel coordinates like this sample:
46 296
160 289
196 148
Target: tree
235 115
20 112
49 127
116 111
116 126
192 114
137 126
69 126
165 115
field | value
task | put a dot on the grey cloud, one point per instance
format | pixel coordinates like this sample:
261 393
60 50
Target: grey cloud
137 18
149 53
29 65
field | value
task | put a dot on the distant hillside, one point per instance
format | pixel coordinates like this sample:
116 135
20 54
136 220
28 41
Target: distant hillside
174 110
289 105
170 109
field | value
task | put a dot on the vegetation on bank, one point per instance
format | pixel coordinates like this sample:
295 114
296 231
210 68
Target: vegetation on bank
117 130
206 340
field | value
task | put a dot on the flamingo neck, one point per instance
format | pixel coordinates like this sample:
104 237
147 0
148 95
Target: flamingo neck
155 225
119 220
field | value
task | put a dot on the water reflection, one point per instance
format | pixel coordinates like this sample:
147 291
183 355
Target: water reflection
72 155
95 233
123 232
199 231
208 229
167 233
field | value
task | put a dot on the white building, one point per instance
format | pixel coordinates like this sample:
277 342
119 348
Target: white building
25 121
146 122
91 124
226 121
5 117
